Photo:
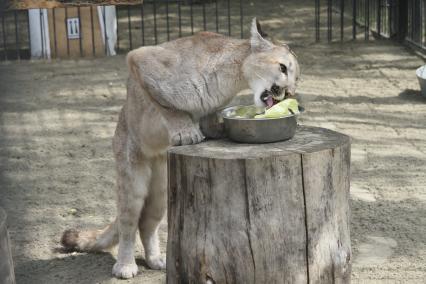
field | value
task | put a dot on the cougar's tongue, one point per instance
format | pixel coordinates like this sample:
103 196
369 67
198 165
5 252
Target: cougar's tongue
269 101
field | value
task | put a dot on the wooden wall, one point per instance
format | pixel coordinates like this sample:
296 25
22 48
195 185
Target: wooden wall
87 42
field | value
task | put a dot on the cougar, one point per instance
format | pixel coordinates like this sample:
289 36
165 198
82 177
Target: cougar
171 87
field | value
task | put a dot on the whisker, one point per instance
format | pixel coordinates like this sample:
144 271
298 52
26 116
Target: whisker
261 77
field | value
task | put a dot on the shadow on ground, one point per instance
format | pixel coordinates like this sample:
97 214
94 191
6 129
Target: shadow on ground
412 95
78 268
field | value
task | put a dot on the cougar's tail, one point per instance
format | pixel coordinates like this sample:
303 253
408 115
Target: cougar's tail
91 240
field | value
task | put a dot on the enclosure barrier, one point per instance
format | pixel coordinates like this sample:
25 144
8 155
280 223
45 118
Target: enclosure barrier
360 16
107 30
150 23
404 20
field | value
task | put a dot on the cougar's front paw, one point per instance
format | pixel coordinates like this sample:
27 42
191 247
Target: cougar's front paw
188 137
125 271
157 263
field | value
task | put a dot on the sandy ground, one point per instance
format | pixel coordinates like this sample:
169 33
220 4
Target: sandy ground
56 166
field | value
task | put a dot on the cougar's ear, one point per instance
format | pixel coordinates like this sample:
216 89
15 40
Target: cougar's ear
257 42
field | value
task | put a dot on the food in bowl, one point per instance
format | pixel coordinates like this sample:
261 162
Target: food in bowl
283 108
241 125
280 109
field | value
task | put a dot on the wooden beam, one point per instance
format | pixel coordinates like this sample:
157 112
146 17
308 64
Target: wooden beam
38 4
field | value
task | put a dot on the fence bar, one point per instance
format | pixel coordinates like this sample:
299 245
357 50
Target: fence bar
4 36
191 11
17 40
317 20
413 35
29 33
93 32
180 17
154 7
329 21
424 23
217 16
105 32
412 20
129 23
66 32
167 20
55 41
42 35
390 20
416 19
409 14
142 25
354 8
80 31
379 17
229 17
342 18
367 19
118 32
385 19
203 5
421 21
242 18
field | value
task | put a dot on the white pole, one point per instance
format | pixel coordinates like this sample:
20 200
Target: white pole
39 33
110 25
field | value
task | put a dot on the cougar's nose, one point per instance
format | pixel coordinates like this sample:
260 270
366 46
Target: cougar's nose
276 90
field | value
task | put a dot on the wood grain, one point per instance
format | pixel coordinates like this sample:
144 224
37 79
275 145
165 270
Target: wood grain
7 275
60 32
269 213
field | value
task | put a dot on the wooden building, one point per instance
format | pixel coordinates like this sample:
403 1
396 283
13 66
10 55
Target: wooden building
70 29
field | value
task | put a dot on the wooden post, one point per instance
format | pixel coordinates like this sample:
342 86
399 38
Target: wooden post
7 274
268 213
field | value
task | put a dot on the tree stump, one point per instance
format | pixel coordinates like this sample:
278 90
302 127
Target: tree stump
7 274
267 213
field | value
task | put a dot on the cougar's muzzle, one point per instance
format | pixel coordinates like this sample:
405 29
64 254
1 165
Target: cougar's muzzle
274 95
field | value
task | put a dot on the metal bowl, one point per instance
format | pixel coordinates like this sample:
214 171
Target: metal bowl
421 76
258 130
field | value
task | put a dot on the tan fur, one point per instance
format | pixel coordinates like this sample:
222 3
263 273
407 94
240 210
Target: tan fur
170 87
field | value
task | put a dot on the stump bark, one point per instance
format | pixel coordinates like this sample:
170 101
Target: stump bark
269 213
7 275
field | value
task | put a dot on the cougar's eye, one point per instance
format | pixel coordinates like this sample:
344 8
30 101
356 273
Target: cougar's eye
283 68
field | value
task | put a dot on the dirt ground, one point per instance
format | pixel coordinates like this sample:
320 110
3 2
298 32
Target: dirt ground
56 165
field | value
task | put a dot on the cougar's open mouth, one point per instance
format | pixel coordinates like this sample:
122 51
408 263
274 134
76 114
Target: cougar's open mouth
273 96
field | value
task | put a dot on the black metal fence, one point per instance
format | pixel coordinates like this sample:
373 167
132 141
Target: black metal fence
403 20
15 35
416 22
158 21
355 18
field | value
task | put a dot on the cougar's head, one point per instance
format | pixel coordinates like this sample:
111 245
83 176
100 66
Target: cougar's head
271 70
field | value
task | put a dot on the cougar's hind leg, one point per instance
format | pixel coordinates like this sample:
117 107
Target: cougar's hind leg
153 213
133 178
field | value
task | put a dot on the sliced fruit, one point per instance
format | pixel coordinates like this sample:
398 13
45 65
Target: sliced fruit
281 109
